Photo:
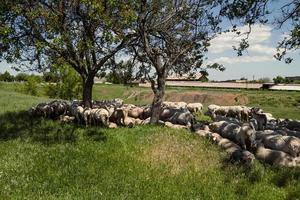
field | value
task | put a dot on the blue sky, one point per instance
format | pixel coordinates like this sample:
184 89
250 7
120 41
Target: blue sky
257 61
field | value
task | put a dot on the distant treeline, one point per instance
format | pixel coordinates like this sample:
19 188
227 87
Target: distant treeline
280 79
7 77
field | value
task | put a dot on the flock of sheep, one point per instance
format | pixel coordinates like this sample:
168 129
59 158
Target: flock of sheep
246 133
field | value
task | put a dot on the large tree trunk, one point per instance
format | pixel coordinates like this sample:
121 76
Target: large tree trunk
159 93
87 91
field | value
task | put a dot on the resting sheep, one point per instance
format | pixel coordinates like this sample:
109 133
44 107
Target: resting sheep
136 112
119 115
287 144
275 157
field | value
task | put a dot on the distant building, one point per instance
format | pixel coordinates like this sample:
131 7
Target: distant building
293 78
184 78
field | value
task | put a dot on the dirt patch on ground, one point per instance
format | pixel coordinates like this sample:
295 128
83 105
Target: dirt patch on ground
177 155
204 98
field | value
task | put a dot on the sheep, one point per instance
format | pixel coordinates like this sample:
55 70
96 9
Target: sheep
66 119
243 135
242 157
59 107
176 105
146 112
182 118
177 116
175 126
129 122
287 144
245 113
77 112
112 125
87 116
112 102
292 124
289 133
234 111
195 107
237 155
135 112
217 126
275 157
227 119
101 116
119 115
260 118
211 110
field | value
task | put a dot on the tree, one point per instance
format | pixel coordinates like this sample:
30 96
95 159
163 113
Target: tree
84 34
21 77
67 82
121 73
279 79
290 14
204 76
174 36
6 76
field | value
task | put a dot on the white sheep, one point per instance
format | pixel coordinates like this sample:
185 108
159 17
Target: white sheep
100 116
176 105
66 119
195 107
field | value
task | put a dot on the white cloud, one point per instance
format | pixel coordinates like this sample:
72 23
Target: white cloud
262 49
225 41
241 59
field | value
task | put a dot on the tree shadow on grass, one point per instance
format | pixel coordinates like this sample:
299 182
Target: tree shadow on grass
20 125
281 177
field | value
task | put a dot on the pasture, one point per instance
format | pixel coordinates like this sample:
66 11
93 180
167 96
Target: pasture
43 159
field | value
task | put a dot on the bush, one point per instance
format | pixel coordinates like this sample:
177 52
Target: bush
31 86
69 85
7 77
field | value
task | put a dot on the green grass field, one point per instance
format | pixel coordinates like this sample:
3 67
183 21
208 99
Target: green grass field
43 159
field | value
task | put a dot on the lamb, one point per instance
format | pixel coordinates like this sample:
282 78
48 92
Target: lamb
195 107
287 144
